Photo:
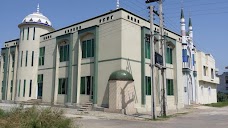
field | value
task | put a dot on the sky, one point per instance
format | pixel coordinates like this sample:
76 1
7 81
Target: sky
209 18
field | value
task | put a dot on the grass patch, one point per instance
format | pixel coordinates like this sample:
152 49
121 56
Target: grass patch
219 104
34 118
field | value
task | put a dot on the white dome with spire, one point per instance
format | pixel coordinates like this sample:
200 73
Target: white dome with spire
37 17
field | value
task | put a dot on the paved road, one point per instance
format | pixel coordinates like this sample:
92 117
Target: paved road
209 118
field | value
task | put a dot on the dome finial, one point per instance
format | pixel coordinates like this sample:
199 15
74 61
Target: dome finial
38 8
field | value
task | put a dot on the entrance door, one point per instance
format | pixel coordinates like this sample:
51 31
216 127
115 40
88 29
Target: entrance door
89 87
86 89
40 91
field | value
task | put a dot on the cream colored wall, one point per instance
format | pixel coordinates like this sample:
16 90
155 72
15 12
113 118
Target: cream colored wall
29 72
11 72
205 82
208 61
204 96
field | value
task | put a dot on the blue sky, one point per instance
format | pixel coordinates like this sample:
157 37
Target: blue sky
209 18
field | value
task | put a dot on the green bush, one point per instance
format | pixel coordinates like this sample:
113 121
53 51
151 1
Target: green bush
35 118
222 97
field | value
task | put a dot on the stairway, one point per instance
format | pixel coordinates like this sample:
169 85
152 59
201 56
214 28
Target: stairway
86 107
33 101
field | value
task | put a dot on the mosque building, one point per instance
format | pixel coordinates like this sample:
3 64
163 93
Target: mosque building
75 65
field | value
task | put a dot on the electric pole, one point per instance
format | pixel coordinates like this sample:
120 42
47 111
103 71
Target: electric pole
161 50
152 61
152 64
164 58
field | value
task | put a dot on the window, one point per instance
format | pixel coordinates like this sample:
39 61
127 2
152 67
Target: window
11 87
19 88
226 88
148 85
64 53
32 58
28 34
34 33
86 85
212 74
23 33
226 78
88 48
169 55
2 87
205 70
40 85
169 87
4 60
147 48
21 57
41 56
63 85
26 59
13 60
24 88
30 88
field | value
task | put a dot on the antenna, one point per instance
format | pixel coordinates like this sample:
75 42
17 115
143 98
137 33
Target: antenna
38 8
117 4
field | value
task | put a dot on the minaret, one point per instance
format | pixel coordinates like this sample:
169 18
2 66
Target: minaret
183 32
190 29
184 40
31 28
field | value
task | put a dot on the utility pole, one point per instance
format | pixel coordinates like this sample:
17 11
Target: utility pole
152 61
164 58
152 64
161 45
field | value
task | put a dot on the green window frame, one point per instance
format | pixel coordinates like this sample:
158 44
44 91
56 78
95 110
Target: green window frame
28 34
11 86
63 84
88 47
40 81
147 49
26 59
32 58
86 85
24 88
169 55
23 34
30 88
13 60
148 85
4 60
169 87
34 31
41 56
21 57
19 88
64 53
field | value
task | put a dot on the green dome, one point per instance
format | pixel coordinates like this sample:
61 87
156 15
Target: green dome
121 75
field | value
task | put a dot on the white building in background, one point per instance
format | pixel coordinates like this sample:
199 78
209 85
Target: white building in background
73 65
199 79
207 79
189 71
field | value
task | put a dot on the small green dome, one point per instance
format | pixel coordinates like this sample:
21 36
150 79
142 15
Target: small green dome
121 75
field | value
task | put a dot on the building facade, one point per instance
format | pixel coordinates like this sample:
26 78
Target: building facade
223 86
199 71
72 66
206 77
